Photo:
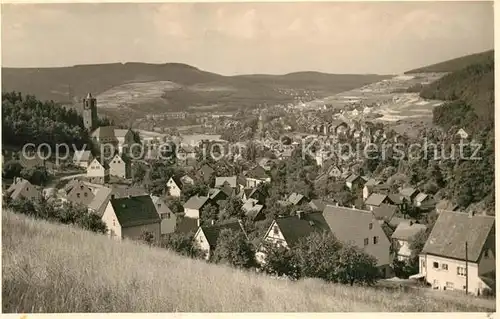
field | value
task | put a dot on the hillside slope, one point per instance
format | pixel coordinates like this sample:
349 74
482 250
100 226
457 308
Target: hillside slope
188 86
54 268
454 64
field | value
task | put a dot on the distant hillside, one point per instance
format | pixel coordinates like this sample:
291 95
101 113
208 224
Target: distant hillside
135 89
55 268
454 64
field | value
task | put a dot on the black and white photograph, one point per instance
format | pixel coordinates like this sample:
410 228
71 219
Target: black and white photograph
248 157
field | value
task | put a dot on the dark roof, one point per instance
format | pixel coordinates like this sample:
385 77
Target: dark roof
212 232
385 211
186 225
231 180
241 180
453 229
351 178
206 170
396 198
489 279
196 202
135 211
408 192
104 132
293 228
257 172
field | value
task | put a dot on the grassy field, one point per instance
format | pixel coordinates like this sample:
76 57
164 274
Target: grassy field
54 268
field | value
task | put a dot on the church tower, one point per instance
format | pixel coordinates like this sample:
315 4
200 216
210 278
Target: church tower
90 112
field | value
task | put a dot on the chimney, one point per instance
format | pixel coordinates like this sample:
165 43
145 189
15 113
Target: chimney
212 222
337 204
300 214
112 196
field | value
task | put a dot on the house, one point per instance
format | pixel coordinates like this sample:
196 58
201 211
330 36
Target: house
409 193
375 200
354 181
230 181
253 210
340 127
206 236
77 192
462 134
82 158
186 154
403 236
334 171
125 139
23 189
363 230
385 212
369 187
445 205
254 193
168 219
193 206
443 258
130 217
423 200
98 205
255 176
104 137
98 172
297 199
174 187
120 166
215 195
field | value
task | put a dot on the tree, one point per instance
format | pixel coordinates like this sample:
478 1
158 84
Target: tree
182 244
175 206
279 261
208 214
355 266
232 209
317 254
92 222
138 173
233 248
12 169
35 175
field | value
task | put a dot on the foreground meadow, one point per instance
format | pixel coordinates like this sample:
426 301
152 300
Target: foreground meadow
57 268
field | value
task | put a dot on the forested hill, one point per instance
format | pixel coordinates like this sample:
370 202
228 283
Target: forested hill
469 93
28 120
454 64
472 92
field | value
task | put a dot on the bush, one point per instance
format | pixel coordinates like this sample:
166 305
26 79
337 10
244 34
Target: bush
234 249
182 244
12 169
279 261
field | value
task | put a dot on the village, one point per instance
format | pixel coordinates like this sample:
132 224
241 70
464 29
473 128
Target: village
153 197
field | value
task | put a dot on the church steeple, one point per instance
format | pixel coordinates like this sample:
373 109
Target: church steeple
90 112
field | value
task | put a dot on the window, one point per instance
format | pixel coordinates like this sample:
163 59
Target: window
444 266
422 264
276 230
375 240
461 271
370 226
78 195
449 285
366 241
486 253
435 265
114 222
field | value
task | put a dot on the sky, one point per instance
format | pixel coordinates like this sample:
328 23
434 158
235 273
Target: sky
248 38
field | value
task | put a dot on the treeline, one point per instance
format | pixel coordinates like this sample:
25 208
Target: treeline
28 120
68 214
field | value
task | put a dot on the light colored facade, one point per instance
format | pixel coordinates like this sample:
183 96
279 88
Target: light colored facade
119 167
449 274
201 240
173 189
97 172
